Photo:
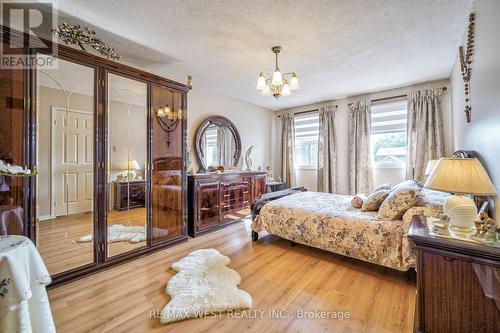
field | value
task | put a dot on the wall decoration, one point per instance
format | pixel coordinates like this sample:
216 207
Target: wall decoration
248 158
81 36
466 63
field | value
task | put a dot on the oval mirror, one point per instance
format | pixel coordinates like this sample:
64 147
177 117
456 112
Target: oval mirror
217 143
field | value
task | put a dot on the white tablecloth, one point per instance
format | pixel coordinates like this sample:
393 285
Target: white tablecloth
24 305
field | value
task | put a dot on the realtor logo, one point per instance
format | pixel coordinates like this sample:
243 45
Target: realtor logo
26 25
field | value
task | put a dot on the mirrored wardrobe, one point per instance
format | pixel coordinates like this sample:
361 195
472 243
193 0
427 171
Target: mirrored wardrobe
109 144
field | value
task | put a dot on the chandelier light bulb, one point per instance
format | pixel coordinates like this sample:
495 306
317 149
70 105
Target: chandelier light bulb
266 91
285 91
294 82
261 82
279 85
277 78
160 112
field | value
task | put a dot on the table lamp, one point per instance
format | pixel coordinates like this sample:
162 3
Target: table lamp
430 166
460 176
132 166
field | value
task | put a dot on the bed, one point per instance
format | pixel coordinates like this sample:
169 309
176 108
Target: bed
329 222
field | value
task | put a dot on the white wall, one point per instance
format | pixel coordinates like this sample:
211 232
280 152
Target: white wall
307 178
483 133
253 122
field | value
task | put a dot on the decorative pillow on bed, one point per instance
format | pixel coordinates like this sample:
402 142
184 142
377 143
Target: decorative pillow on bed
432 199
408 183
357 200
399 201
374 200
386 186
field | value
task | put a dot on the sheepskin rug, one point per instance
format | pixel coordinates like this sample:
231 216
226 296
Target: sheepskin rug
203 285
121 233
131 234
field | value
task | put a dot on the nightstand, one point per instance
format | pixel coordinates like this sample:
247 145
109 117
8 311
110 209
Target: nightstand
450 297
274 186
130 194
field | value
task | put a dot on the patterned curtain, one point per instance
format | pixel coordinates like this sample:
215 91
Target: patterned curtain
360 168
287 149
327 151
425 132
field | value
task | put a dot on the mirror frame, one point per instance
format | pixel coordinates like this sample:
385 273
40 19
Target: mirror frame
218 121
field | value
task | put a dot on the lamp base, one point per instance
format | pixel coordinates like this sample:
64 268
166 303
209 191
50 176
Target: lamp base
462 212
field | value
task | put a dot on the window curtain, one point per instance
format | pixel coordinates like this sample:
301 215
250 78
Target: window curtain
225 146
287 149
425 132
360 168
327 151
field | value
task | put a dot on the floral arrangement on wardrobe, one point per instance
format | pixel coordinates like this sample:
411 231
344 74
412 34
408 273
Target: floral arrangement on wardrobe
7 169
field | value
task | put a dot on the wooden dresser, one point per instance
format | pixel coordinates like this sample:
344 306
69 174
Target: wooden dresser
216 200
130 194
450 297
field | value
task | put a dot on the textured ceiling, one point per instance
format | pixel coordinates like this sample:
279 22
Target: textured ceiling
337 48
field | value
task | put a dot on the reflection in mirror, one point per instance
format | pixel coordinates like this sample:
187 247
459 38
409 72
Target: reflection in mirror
166 155
218 146
127 134
65 160
12 122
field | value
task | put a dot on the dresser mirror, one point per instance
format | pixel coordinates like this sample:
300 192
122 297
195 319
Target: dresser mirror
217 144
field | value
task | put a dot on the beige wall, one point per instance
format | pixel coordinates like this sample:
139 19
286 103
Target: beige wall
307 177
253 122
483 133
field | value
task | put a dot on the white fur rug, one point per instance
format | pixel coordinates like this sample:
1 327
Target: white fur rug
203 285
132 234
121 233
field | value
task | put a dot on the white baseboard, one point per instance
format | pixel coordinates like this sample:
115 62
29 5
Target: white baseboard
45 217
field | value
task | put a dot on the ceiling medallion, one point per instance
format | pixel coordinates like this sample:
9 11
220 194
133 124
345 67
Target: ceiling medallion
277 83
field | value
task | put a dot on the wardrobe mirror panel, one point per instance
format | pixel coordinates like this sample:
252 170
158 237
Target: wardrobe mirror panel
65 159
126 177
167 114
12 83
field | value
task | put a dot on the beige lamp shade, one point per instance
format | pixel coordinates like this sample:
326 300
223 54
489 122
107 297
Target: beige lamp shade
133 165
430 166
460 175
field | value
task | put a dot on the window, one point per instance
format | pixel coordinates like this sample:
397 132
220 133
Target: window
211 145
388 134
306 140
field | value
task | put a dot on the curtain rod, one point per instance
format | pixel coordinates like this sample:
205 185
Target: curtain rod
393 97
303 112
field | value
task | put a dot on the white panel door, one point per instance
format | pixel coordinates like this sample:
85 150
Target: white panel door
73 162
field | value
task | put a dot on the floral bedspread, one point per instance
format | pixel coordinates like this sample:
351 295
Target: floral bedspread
329 222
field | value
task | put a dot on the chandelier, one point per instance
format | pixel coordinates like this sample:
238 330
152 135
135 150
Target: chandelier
279 85
168 118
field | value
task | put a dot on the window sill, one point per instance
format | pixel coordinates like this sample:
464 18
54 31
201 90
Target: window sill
306 167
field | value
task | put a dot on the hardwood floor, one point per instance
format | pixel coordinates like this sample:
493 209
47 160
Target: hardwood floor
58 238
277 276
